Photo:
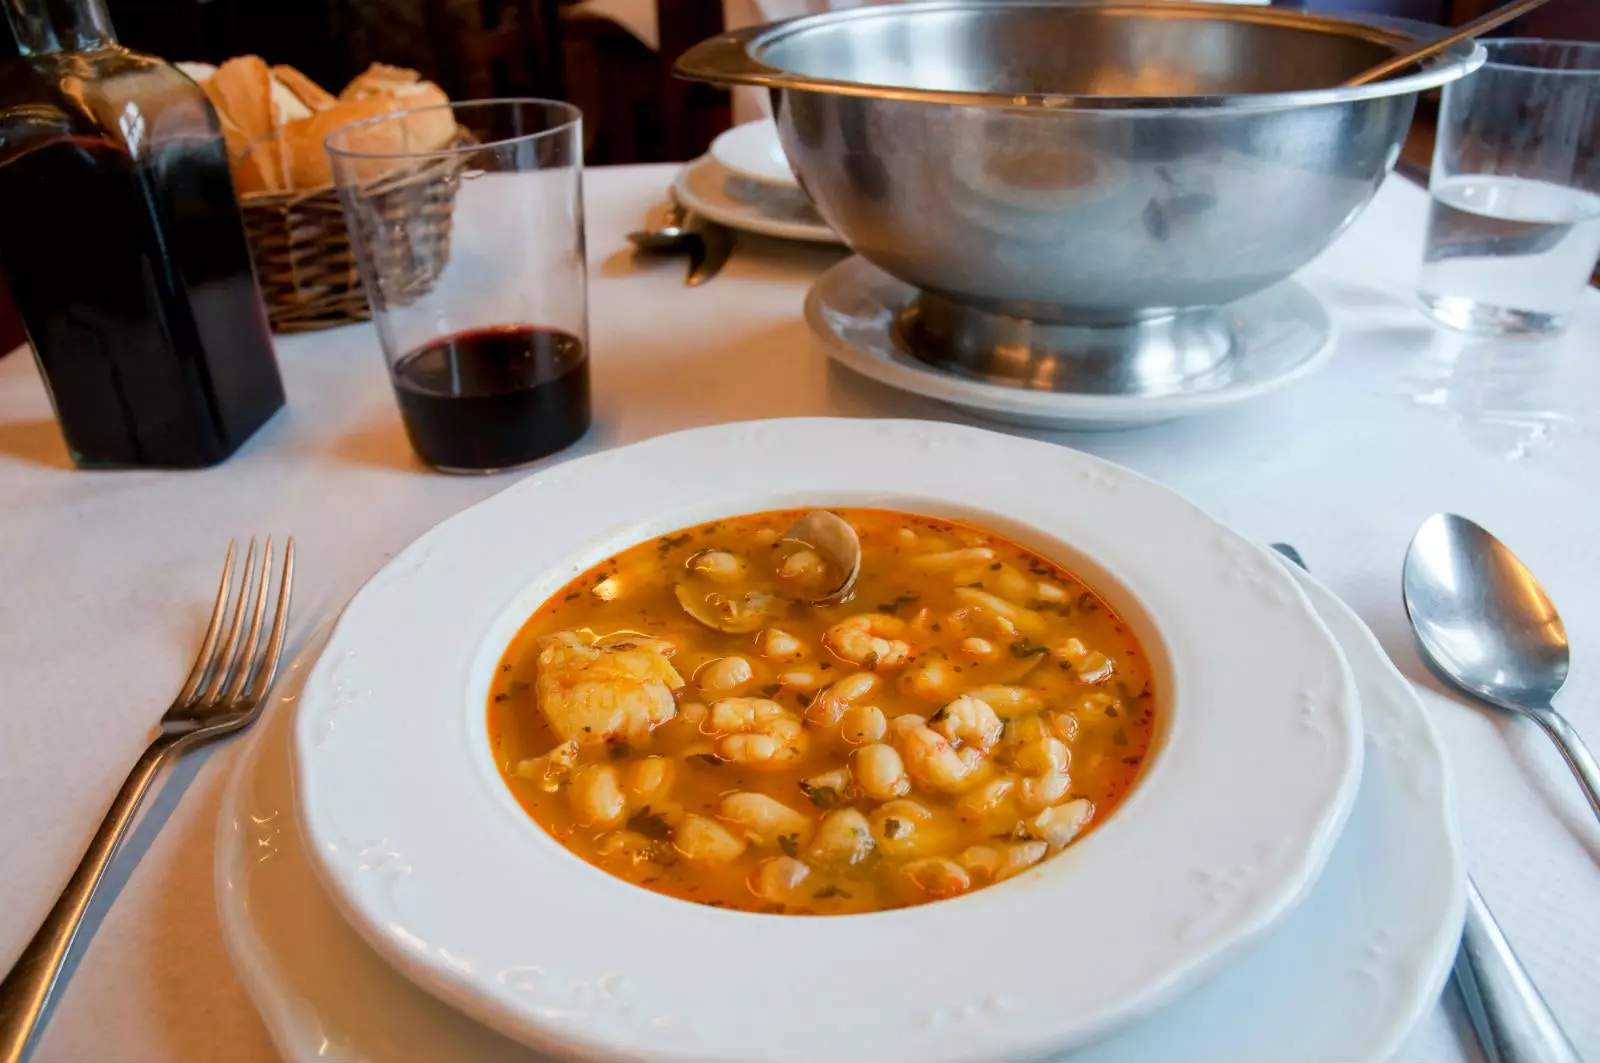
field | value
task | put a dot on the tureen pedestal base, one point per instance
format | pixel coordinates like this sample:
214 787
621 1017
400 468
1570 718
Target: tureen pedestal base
1186 350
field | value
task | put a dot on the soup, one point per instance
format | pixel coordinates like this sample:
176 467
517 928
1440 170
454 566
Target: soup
697 715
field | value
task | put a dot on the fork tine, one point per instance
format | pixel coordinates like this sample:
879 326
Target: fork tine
202 661
280 620
228 656
247 649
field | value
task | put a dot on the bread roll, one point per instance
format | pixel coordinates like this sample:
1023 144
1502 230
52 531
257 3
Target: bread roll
433 127
314 96
379 79
429 131
306 159
242 87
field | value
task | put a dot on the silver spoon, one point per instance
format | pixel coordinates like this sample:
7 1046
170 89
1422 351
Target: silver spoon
1465 32
672 238
1488 627
1507 1011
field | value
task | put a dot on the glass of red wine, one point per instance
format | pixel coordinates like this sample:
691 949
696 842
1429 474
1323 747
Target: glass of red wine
467 226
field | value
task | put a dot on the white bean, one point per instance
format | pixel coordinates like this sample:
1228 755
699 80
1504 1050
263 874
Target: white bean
724 676
804 680
843 838
953 559
879 772
862 724
933 680
977 648
706 842
778 879
765 820
650 779
779 645
1009 701
719 566
596 796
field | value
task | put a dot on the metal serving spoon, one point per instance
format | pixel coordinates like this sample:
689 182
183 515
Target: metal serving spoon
1486 625
1508 1013
1465 32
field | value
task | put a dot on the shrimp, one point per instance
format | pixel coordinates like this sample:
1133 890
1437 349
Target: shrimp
936 764
868 640
591 693
936 877
1091 666
551 770
757 733
969 720
827 707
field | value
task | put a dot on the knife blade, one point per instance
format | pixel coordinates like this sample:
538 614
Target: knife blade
709 253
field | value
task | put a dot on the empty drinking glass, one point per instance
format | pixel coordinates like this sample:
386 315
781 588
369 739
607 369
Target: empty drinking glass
1514 224
467 223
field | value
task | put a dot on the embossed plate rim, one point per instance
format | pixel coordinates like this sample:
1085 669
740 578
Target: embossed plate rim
323 994
407 838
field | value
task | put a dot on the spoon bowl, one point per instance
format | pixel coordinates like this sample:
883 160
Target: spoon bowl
1481 616
1486 626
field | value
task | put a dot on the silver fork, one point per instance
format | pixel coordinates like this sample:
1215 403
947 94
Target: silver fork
223 694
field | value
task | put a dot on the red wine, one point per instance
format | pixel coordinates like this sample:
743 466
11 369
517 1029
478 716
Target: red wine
136 286
492 398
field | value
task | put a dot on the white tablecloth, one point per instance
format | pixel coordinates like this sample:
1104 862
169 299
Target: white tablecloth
107 577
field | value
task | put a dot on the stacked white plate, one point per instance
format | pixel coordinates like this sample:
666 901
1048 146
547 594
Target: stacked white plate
1282 884
744 182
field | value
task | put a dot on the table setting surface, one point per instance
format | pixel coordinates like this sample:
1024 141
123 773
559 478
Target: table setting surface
108 575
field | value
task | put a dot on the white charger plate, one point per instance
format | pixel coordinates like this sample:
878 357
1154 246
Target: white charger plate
706 187
422 846
754 152
1345 977
1284 334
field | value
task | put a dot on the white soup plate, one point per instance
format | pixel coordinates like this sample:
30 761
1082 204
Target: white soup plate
419 842
1345 977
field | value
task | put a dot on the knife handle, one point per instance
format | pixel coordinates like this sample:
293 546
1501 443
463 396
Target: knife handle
1513 1023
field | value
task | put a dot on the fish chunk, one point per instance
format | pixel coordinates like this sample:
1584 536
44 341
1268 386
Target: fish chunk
591 693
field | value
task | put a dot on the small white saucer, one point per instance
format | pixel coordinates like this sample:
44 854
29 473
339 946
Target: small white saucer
1345 977
753 151
1282 335
706 187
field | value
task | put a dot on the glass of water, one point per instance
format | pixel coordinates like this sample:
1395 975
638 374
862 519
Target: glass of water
1514 224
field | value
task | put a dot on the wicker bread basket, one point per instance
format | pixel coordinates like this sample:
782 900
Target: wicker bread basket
304 258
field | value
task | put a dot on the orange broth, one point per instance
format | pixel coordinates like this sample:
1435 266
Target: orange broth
823 826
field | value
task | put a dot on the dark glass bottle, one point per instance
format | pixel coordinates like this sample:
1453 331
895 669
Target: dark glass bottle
122 241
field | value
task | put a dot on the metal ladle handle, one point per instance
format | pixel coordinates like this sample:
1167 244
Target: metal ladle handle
1466 32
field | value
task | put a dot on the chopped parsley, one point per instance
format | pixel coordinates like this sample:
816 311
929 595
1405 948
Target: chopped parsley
650 824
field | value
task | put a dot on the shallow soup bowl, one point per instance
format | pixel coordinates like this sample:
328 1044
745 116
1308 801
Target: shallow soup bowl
424 849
